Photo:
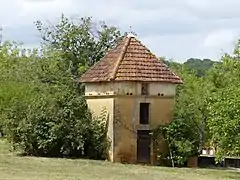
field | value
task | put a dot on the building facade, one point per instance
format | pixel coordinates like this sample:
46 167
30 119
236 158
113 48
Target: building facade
137 92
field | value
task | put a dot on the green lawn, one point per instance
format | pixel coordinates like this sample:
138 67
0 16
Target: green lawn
24 168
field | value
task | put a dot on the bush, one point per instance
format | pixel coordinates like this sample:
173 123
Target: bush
43 111
180 140
56 127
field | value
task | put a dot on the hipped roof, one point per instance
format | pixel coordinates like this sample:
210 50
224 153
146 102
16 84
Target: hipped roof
130 60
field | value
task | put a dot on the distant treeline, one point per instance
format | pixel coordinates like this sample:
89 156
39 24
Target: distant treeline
200 66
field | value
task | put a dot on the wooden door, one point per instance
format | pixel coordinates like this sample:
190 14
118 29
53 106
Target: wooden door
143 146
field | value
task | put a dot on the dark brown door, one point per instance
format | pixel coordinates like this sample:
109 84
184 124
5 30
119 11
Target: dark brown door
143 146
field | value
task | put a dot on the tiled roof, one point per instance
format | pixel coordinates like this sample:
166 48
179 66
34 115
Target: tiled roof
130 60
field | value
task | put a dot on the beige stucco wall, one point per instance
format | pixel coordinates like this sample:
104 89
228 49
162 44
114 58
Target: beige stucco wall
124 131
122 88
124 112
127 111
97 105
166 88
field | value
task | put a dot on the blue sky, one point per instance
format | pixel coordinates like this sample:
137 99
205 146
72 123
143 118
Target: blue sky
177 29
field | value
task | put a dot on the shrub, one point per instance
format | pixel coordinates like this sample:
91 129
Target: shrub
55 125
180 141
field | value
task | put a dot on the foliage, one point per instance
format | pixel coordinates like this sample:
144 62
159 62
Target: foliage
186 134
207 109
80 41
224 104
42 112
200 66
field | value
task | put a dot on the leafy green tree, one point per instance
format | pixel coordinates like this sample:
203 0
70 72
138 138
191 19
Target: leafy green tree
200 66
41 112
207 109
81 42
223 121
188 132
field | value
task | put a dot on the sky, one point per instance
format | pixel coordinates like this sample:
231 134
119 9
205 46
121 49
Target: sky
176 29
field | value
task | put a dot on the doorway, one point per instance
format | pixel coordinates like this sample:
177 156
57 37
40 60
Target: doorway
143 146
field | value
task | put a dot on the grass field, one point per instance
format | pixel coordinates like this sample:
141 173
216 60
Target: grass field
26 168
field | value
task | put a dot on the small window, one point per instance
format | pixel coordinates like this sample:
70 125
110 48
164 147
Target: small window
144 90
144 113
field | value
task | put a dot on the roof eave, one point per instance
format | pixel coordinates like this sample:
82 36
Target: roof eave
111 80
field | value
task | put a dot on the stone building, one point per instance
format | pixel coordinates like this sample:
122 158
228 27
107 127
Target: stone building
137 90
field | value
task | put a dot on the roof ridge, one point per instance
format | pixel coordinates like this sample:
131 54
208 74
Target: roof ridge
120 58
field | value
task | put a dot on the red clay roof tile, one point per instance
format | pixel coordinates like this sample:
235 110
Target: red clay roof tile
130 60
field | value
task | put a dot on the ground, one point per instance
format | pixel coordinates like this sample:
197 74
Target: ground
25 168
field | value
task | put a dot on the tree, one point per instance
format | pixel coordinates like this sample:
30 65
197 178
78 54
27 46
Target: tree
207 109
81 42
224 104
41 112
200 66
187 133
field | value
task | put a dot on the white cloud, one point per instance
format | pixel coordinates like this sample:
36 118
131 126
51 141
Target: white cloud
175 45
221 38
177 29
214 9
